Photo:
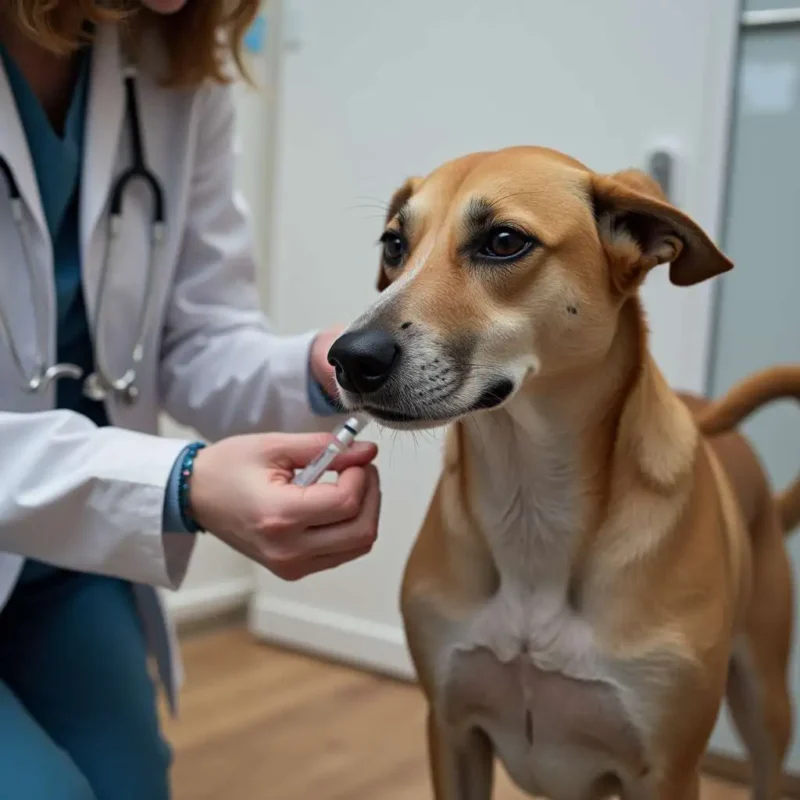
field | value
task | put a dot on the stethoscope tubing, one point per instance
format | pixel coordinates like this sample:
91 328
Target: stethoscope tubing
98 384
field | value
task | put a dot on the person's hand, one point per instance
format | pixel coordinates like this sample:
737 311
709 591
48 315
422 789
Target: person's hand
241 491
322 371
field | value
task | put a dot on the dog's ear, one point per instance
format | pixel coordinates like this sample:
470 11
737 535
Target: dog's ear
399 199
639 229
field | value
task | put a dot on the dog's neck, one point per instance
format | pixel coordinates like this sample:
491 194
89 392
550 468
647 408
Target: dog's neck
546 470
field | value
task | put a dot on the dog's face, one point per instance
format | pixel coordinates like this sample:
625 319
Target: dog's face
499 268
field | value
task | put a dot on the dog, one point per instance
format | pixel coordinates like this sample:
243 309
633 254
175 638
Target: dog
603 560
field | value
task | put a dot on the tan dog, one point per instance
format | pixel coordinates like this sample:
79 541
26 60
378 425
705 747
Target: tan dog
594 574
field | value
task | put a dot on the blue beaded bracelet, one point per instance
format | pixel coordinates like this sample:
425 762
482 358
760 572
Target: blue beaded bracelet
187 466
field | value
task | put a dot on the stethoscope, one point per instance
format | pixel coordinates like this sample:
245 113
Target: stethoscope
99 383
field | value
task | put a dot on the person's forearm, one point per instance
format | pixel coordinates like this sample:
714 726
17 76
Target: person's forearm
246 380
88 498
320 402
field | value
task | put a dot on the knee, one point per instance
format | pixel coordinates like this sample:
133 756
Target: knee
61 784
75 787
51 775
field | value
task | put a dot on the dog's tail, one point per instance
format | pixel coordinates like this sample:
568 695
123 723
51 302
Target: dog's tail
743 399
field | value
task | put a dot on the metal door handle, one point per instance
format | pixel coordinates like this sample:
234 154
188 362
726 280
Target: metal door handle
661 165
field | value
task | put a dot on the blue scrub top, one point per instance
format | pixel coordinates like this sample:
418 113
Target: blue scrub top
57 163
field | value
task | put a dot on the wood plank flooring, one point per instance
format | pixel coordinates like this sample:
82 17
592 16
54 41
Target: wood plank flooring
262 724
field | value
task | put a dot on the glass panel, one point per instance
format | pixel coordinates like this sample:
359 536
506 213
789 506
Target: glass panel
759 301
760 5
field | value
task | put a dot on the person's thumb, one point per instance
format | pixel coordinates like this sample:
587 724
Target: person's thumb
298 450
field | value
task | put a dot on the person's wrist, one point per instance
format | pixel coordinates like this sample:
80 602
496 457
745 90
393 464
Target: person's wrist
321 370
321 399
186 475
315 368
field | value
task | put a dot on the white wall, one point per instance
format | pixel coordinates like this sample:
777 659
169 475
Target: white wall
371 92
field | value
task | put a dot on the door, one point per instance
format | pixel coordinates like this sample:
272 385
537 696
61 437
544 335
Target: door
757 316
372 92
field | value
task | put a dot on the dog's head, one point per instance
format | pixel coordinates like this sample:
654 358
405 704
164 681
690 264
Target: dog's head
502 267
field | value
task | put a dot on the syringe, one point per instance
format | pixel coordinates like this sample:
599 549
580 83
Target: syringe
343 437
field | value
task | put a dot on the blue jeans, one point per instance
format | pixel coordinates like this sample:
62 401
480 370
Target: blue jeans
78 715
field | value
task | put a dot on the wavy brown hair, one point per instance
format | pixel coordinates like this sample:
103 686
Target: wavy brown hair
200 39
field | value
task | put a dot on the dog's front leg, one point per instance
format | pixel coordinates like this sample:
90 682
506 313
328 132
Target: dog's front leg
462 765
674 784
680 787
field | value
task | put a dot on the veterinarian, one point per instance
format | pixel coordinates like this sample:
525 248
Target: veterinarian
128 288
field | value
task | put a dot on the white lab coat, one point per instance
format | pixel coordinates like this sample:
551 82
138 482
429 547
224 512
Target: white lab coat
91 499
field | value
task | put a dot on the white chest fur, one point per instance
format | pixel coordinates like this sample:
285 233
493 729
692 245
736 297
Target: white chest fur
526 667
528 504
526 670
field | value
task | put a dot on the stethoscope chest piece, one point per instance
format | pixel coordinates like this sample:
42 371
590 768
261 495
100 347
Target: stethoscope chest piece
95 388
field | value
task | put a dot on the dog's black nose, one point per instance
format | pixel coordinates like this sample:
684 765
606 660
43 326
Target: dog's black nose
363 360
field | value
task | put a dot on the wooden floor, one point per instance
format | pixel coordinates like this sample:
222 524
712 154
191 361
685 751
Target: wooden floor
260 724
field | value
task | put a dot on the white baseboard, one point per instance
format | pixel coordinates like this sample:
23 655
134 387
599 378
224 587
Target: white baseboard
192 605
341 637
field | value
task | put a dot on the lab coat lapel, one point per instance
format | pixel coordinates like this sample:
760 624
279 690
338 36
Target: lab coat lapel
104 119
14 149
25 278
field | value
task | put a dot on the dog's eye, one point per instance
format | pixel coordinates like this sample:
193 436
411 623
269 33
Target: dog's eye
505 243
394 248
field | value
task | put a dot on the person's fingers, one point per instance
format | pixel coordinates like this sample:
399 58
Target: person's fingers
358 455
321 563
361 531
326 503
291 452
